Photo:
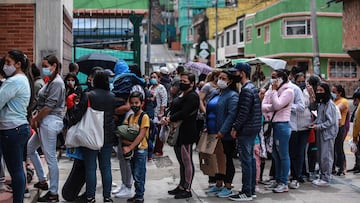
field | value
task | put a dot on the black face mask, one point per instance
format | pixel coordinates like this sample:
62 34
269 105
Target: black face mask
237 78
302 85
184 87
135 109
320 97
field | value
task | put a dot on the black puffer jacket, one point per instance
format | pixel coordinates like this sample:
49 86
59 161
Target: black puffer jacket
248 119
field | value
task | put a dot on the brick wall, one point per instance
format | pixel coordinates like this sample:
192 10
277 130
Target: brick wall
17 27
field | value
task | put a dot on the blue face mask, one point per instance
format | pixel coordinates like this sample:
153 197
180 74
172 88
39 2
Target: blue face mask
46 71
111 80
333 95
153 81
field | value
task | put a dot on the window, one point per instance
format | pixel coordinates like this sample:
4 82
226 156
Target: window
248 34
259 32
267 33
297 28
222 40
241 31
343 69
227 38
234 37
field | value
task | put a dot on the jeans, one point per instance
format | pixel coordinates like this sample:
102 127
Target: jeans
339 149
50 127
104 158
138 168
248 163
282 132
13 142
297 145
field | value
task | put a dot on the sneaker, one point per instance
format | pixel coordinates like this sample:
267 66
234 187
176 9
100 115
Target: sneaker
27 193
175 191
135 200
240 197
214 190
294 184
225 192
281 188
91 200
321 183
183 195
126 192
118 189
42 185
271 186
113 184
254 196
48 197
257 188
108 199
211 185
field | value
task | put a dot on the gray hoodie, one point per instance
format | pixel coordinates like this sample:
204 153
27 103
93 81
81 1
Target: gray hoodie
327 120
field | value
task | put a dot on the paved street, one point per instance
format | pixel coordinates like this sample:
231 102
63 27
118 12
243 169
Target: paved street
162 175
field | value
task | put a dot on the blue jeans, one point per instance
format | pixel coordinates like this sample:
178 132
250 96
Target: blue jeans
50 127
13 142
282 132
138 168
104 158
245 145
297 145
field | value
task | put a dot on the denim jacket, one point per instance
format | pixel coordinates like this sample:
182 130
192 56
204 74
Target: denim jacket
226 110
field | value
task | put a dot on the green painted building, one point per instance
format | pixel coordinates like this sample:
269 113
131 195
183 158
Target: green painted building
283 30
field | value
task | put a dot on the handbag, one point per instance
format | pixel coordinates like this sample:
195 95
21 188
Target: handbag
268 135
207 143
174 128
88 132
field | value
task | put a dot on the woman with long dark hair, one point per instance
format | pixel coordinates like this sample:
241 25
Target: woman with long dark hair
184 108
48 123
14 126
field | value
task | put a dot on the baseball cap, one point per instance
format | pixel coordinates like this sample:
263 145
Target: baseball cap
164 70
241 67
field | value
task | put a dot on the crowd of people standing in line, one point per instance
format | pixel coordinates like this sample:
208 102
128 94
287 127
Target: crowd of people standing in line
305 115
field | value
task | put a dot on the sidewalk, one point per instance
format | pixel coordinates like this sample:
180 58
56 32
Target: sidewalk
163 175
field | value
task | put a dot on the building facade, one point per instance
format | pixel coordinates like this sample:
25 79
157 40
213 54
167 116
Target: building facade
25 25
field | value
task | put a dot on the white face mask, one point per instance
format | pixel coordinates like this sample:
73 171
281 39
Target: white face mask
9 70
72 83
222 84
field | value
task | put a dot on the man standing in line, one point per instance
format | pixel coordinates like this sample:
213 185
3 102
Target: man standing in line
246 126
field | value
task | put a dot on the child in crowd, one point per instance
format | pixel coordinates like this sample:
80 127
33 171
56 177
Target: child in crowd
139 146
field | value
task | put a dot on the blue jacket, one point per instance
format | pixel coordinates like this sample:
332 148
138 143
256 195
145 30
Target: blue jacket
248 120
226 109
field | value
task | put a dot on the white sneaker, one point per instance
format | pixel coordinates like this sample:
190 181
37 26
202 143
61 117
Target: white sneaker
321 183
118 189
294 184
113 184
124 193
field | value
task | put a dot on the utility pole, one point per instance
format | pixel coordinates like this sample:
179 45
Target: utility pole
314 32
148 47
216 31
188 32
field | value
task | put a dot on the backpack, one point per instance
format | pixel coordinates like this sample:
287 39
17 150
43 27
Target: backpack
125 131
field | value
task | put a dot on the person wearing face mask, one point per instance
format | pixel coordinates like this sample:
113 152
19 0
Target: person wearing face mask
16 95
48 122
245 128
338 92
184 108
277 106
356 131
139 120
221 113
299 119
103 100
159 93
326 126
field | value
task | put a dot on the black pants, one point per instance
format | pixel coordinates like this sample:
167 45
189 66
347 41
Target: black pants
229 148
75 181
339 158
